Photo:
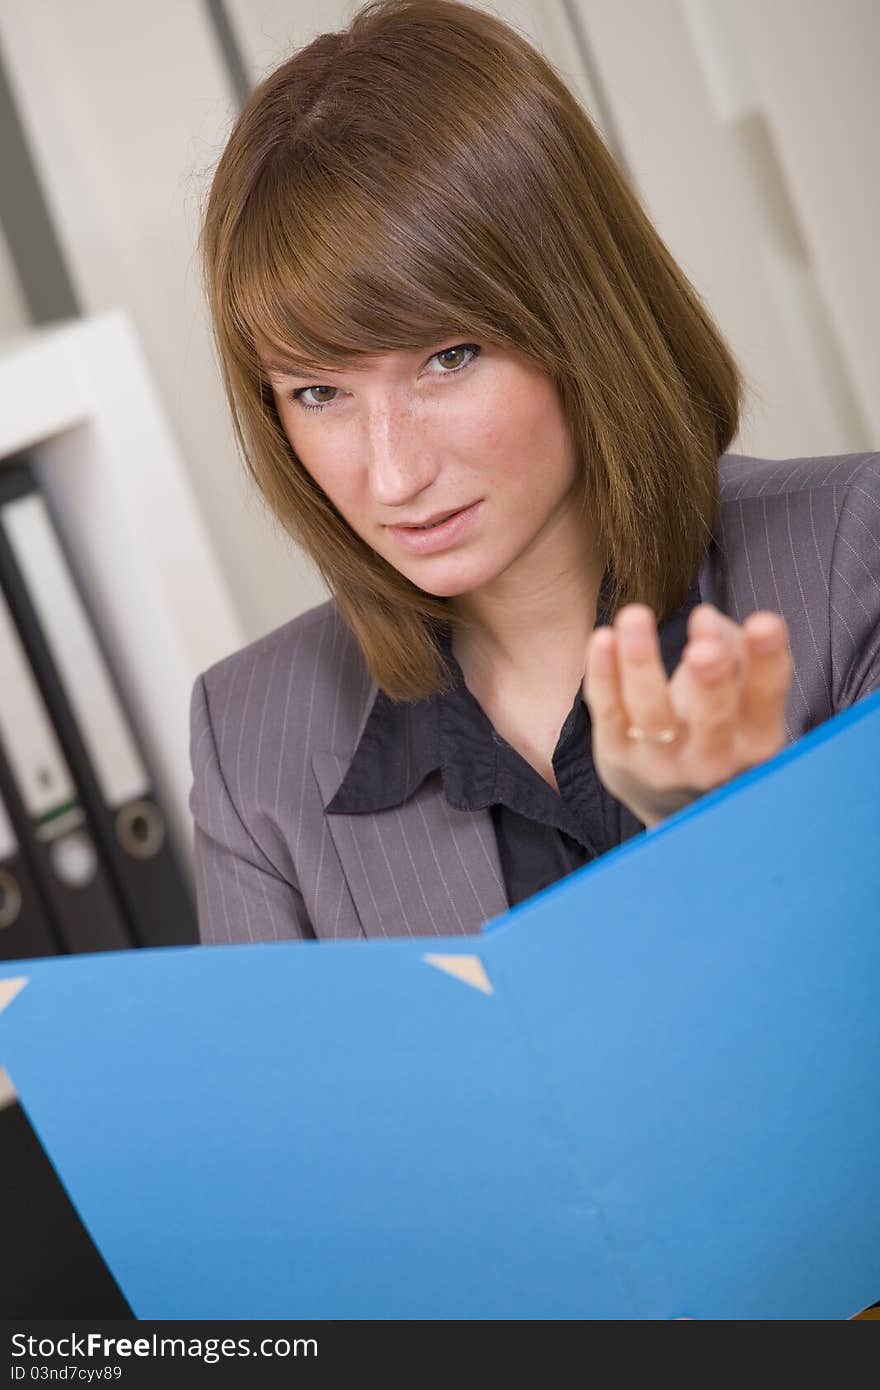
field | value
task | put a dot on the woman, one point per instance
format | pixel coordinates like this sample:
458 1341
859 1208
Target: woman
433 292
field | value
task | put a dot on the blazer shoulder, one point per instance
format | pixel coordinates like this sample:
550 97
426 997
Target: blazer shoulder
288 637
800 537
744 478
306 681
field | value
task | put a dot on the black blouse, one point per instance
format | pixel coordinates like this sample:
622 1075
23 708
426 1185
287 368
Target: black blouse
542 834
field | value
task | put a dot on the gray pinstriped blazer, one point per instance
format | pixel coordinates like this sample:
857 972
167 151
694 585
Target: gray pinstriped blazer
275 726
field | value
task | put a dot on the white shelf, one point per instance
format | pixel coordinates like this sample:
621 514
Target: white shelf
79 398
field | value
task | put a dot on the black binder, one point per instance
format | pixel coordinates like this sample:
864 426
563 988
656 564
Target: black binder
50 822
25 928
67 659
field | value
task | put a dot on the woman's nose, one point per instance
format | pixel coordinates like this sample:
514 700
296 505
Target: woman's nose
397 459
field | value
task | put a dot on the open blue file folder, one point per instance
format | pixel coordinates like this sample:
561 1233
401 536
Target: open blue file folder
651 1091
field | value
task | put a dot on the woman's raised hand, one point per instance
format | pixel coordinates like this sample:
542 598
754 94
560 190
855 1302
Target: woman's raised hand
660 743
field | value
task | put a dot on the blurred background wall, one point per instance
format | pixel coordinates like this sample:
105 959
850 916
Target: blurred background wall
749 129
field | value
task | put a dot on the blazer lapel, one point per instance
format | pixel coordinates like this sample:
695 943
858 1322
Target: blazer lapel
423 868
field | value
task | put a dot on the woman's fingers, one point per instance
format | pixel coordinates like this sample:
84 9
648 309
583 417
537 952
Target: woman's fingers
740 678
709 684
644 686
769 678
725 700
602 690
710 623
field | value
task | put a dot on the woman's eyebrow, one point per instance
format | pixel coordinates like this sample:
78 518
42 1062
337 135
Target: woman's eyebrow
289 373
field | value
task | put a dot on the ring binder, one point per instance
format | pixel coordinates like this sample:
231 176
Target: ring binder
93 728
10 899
25 929
52 828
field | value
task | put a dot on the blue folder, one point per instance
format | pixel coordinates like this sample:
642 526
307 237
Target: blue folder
649 1092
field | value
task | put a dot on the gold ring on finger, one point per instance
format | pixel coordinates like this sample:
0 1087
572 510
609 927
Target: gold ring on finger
642 736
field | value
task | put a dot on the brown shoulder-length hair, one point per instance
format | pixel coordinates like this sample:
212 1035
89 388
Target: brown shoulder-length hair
425 172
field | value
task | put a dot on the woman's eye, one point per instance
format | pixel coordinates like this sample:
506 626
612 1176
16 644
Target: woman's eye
300 396
450 358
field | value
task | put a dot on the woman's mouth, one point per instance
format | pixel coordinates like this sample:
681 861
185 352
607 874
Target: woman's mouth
423 540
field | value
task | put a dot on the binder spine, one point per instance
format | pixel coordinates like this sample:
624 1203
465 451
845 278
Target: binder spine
25 928
92 725
55 824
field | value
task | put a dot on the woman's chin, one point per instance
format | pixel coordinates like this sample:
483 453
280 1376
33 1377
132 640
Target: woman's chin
449 582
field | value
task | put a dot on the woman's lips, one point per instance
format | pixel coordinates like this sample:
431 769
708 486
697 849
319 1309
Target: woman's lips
436 537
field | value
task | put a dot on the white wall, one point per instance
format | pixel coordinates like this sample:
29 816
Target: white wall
688 103
14 316
816 70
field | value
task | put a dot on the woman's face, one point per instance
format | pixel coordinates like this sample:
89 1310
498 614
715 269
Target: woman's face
416 434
